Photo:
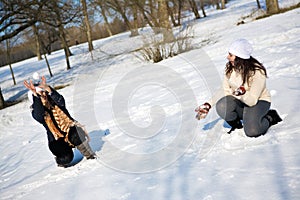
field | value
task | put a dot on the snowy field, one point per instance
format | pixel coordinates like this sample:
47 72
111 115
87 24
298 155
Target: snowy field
140 117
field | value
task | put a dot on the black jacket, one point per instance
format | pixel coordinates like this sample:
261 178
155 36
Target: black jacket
38 110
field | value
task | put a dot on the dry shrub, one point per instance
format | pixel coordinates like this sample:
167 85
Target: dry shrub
155 49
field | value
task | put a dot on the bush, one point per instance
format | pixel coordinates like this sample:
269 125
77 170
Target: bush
155 49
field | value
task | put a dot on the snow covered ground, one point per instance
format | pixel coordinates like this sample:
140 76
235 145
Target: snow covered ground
140 117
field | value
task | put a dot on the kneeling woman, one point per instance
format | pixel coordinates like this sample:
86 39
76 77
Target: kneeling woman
245 101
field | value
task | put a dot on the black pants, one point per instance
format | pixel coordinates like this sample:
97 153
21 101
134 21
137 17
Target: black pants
255 124
61 150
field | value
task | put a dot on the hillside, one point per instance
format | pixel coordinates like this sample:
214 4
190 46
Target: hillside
140 117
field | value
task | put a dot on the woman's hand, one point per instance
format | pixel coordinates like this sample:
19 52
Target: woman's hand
239 91
44 85
30 87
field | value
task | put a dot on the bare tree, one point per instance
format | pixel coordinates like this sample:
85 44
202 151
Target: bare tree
37 42
258 4
135 26
104 13
18 16
194 8
222 4
2 102
87 25
164 21
48 65
174 8
217 3
180 5
58 14
122 7
48 36
202 8
8 57
149 12
26 13
272 6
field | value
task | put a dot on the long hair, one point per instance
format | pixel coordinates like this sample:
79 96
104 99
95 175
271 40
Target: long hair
247 68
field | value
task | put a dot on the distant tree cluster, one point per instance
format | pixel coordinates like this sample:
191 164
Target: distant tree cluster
36 27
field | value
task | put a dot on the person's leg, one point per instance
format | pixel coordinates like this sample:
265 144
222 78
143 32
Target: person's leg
254 120
62 151
231 110
86 150
77 138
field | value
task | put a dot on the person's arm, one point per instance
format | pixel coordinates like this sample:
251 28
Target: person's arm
38 110
203 109
57 98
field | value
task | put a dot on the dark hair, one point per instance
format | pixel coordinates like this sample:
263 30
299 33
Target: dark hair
247 67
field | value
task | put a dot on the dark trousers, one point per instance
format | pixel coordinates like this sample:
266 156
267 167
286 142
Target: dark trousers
255 124
61 150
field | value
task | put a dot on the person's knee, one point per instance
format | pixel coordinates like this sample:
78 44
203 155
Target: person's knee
76 135
221 106
224 106
252 131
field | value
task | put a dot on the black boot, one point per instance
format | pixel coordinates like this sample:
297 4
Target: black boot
86 150
235 124
273 117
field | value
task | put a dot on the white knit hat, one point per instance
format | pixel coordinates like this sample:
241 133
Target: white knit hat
241 48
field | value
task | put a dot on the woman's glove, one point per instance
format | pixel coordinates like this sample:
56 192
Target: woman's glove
239 91
202 110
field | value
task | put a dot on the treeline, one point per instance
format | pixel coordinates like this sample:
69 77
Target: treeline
24 46
31 28
36 27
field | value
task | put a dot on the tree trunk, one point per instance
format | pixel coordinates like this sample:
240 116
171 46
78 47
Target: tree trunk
9 60
37 42
135 21
258 4
222 4
202 8
2 102
152 8
87 25
150 16
194 8
180 5
125 18
164 21
64 45
49 69
103 13
272 6
217 4
170 12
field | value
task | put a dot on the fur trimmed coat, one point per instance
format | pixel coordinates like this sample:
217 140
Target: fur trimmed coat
46 117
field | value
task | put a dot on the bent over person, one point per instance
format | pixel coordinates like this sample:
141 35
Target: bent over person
63 132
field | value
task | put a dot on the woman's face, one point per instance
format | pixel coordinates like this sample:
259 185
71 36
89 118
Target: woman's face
231 58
